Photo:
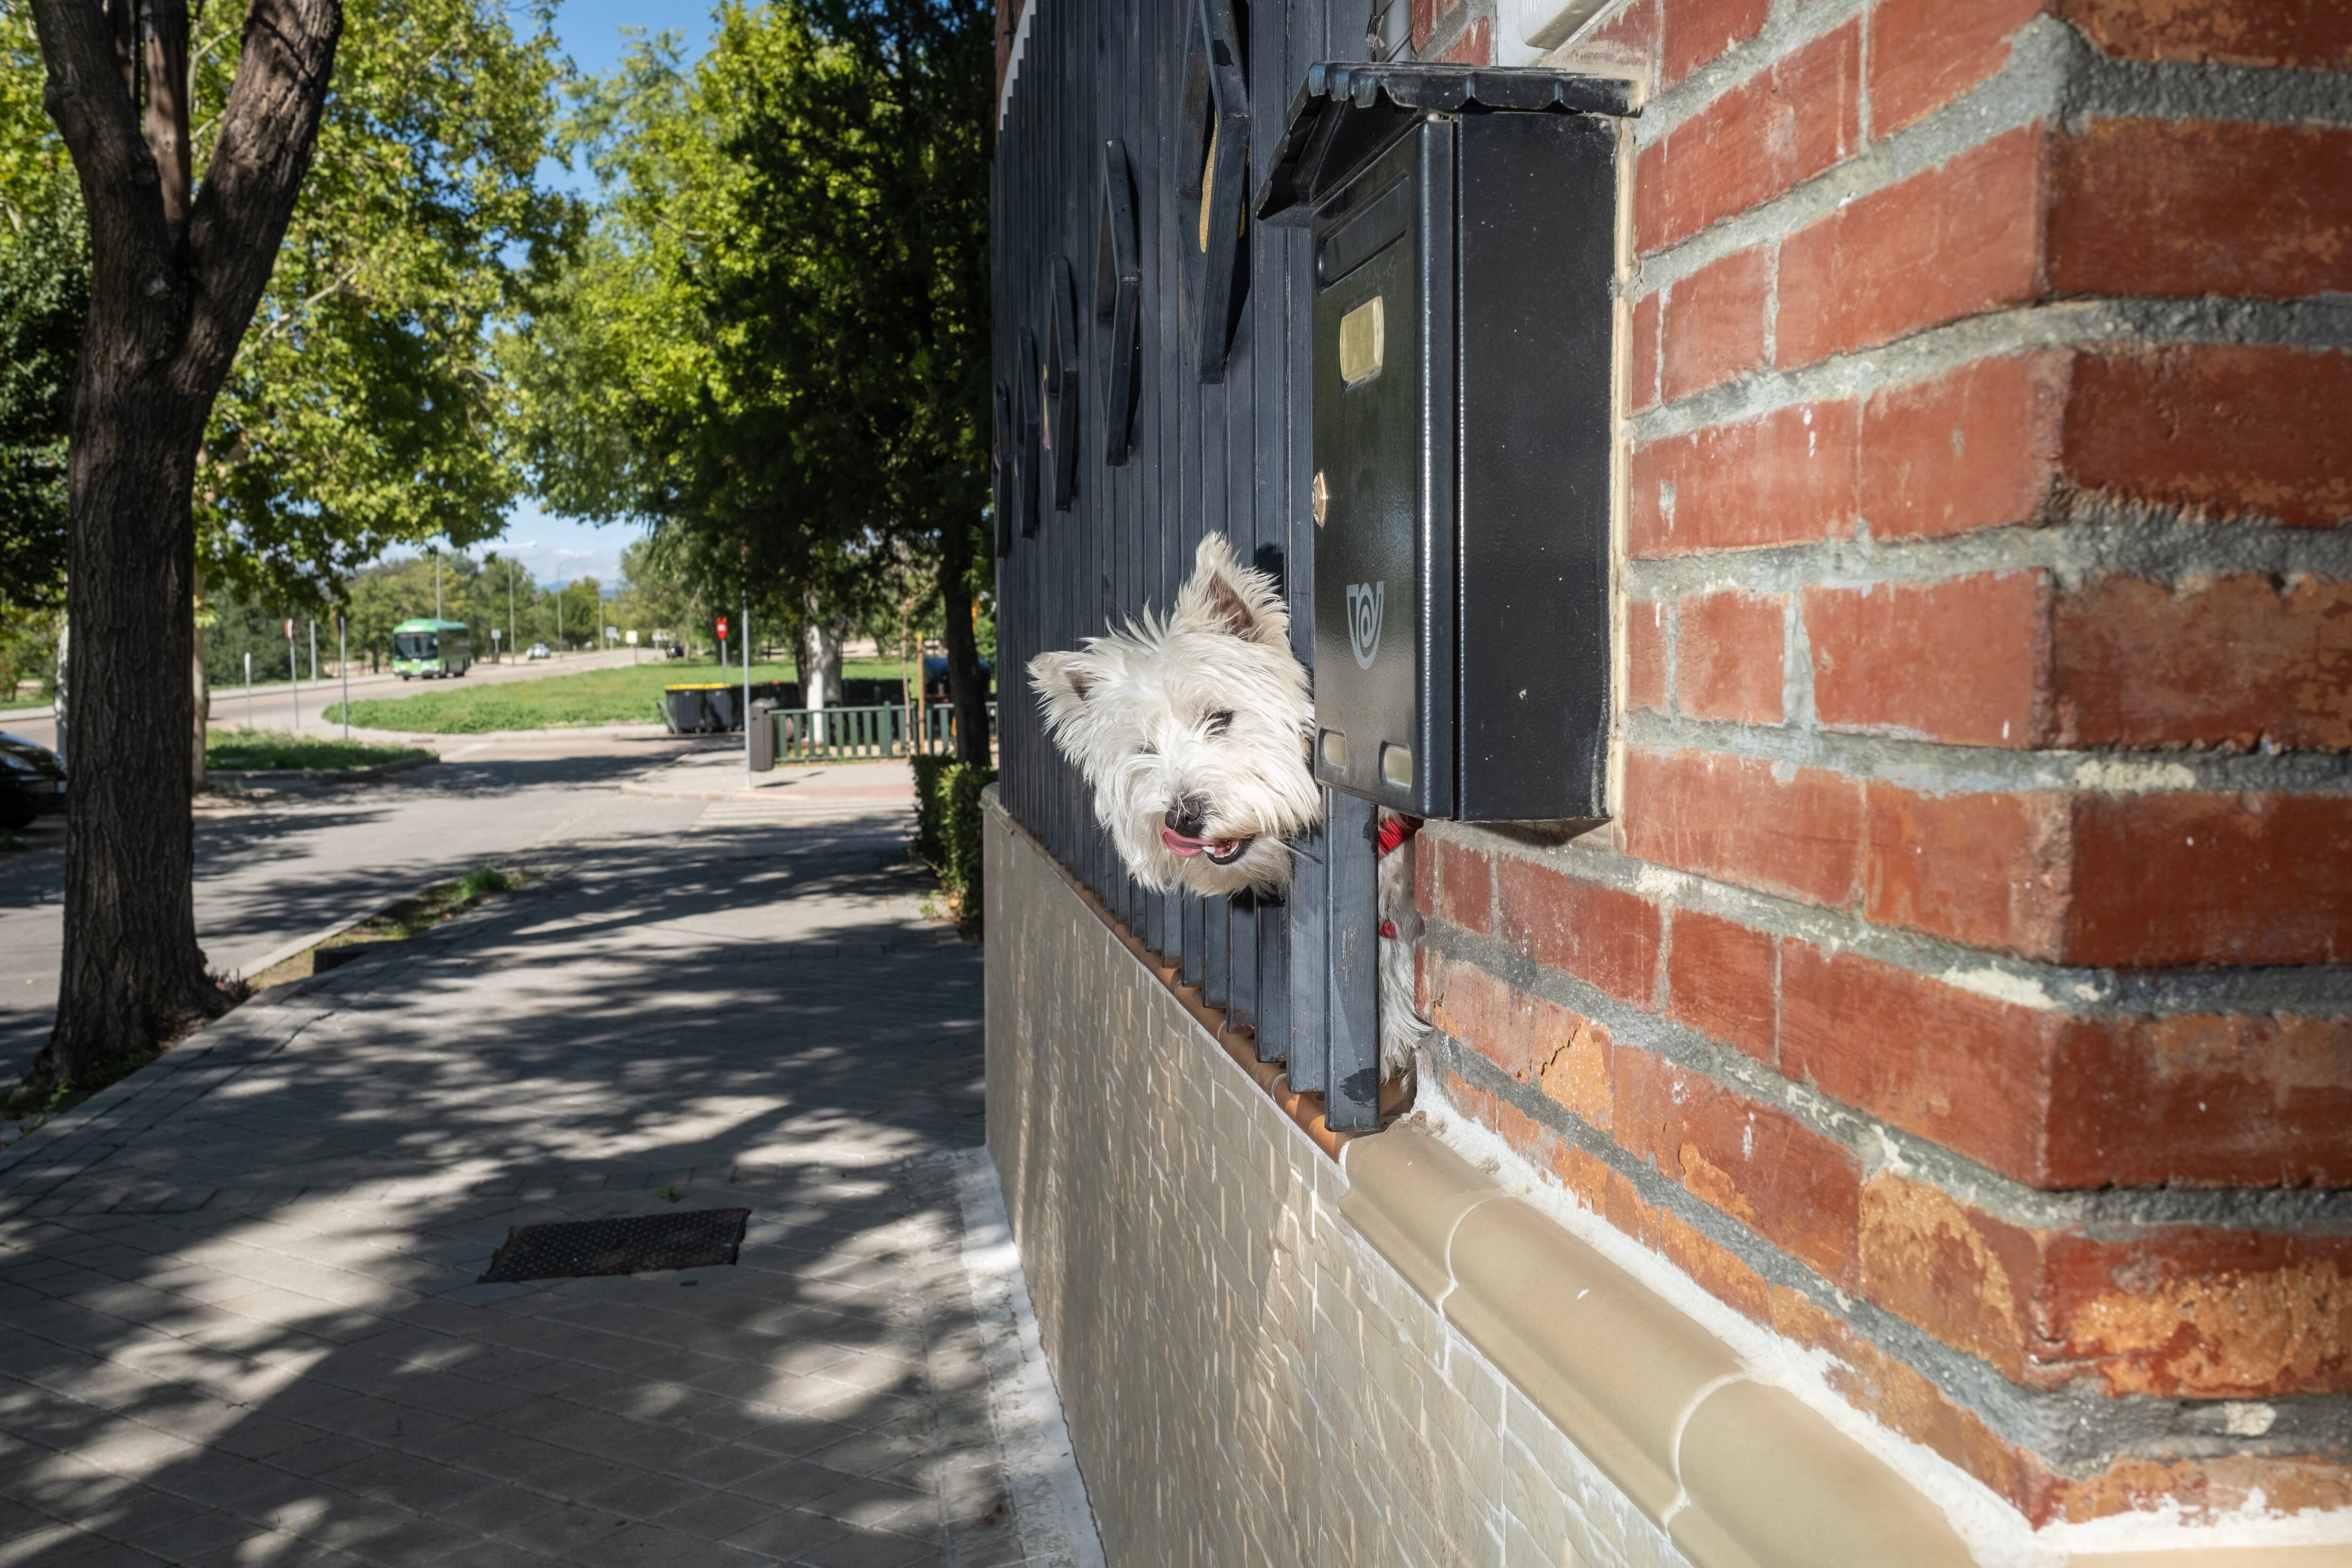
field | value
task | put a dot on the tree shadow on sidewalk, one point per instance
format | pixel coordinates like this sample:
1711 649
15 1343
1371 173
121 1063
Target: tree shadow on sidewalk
251 1332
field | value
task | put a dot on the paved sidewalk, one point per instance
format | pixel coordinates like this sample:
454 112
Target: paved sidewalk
238 1291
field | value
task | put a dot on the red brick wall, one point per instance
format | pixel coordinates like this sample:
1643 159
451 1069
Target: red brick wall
1962 985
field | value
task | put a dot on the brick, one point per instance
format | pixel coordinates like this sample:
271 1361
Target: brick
2202 1313
1769 134
1605 937
1733 818
2204 1099
1474 44
1948 243
1899 1398
1465 895
2219 430
1715 1269
1728 659
1539 1043
1987 869
1786 478
1963 1070
1713 324
1752 1162
2192 878
1940 1265
2235 661
1720 980
2302 34
1694 32
1644 354
1646 655
1975 448
1426 16
2189 207
1965 659
1926 53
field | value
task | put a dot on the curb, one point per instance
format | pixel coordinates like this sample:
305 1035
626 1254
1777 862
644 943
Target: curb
320 775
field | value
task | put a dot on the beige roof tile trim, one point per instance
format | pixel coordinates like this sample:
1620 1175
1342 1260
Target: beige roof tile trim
1741 1475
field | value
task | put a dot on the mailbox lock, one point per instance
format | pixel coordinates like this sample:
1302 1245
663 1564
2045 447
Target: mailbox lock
1318 498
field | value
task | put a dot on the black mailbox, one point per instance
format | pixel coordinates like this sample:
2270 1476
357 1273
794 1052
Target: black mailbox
1463 254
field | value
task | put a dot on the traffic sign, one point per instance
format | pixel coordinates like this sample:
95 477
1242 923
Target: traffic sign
722 626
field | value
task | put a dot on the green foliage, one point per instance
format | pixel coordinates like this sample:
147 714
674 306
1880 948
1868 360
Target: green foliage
625 694
483 880
775 346
44 296
245 751
365 408
948 832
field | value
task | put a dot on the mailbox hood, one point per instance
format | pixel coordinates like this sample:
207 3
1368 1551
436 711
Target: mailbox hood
1346 115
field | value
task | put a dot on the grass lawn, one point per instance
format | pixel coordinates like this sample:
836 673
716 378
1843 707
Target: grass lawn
628 694
240 750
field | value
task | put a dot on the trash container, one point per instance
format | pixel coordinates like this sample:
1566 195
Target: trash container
725 706
686 710
761 736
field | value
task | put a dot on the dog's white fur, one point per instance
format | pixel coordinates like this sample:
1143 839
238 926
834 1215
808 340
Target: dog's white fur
1194 734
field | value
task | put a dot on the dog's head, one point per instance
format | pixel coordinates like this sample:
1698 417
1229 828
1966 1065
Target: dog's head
1193 732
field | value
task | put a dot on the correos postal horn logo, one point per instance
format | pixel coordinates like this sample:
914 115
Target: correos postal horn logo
1366 602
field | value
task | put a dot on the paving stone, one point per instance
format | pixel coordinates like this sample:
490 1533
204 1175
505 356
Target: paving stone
261 1340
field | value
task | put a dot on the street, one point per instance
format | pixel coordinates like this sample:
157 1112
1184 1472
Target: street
276 707
273 871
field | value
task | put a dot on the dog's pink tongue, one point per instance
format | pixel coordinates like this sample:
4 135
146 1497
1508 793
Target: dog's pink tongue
1179 845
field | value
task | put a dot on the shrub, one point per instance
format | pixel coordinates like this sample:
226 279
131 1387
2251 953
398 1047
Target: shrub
947 831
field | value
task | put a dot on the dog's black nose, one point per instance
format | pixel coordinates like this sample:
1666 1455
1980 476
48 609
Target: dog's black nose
1189 816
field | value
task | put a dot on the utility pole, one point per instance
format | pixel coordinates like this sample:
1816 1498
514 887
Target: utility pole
437 584
510 622
314 650
558 617
248 689
343 661
294 672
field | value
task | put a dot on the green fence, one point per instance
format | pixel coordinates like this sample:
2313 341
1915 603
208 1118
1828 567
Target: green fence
806 734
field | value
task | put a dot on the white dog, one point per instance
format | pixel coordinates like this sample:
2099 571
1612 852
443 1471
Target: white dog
1194 734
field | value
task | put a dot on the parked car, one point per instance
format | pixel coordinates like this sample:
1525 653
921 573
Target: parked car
32 781
538 651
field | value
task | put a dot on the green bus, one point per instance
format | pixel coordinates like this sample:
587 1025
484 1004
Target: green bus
425 648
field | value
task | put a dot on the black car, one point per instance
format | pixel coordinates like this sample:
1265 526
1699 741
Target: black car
32 781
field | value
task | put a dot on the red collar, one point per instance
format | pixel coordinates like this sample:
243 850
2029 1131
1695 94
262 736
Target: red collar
1395 830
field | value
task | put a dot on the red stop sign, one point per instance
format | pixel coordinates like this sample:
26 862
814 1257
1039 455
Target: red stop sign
722 626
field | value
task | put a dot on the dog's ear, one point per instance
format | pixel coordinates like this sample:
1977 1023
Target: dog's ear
1063 681
1224 595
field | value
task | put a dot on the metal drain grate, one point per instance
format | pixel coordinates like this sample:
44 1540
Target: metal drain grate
641 1244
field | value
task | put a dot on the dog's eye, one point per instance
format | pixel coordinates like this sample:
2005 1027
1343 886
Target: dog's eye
1149 750
1218 722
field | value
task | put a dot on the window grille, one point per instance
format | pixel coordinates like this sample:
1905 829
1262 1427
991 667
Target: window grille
1126 120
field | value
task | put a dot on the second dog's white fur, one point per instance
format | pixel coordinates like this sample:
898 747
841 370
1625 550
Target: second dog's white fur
1195 734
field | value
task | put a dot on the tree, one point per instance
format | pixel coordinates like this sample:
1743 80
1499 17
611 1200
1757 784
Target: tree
774 348
177 271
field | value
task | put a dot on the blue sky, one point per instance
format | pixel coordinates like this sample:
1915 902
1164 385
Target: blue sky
559 549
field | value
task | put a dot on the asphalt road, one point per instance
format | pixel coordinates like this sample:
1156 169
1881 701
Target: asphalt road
275 707
281 867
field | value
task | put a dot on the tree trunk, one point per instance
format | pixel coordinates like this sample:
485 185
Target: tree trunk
819 659
200 692
967 686
174 284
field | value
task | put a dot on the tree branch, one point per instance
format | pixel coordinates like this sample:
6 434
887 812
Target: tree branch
268 133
